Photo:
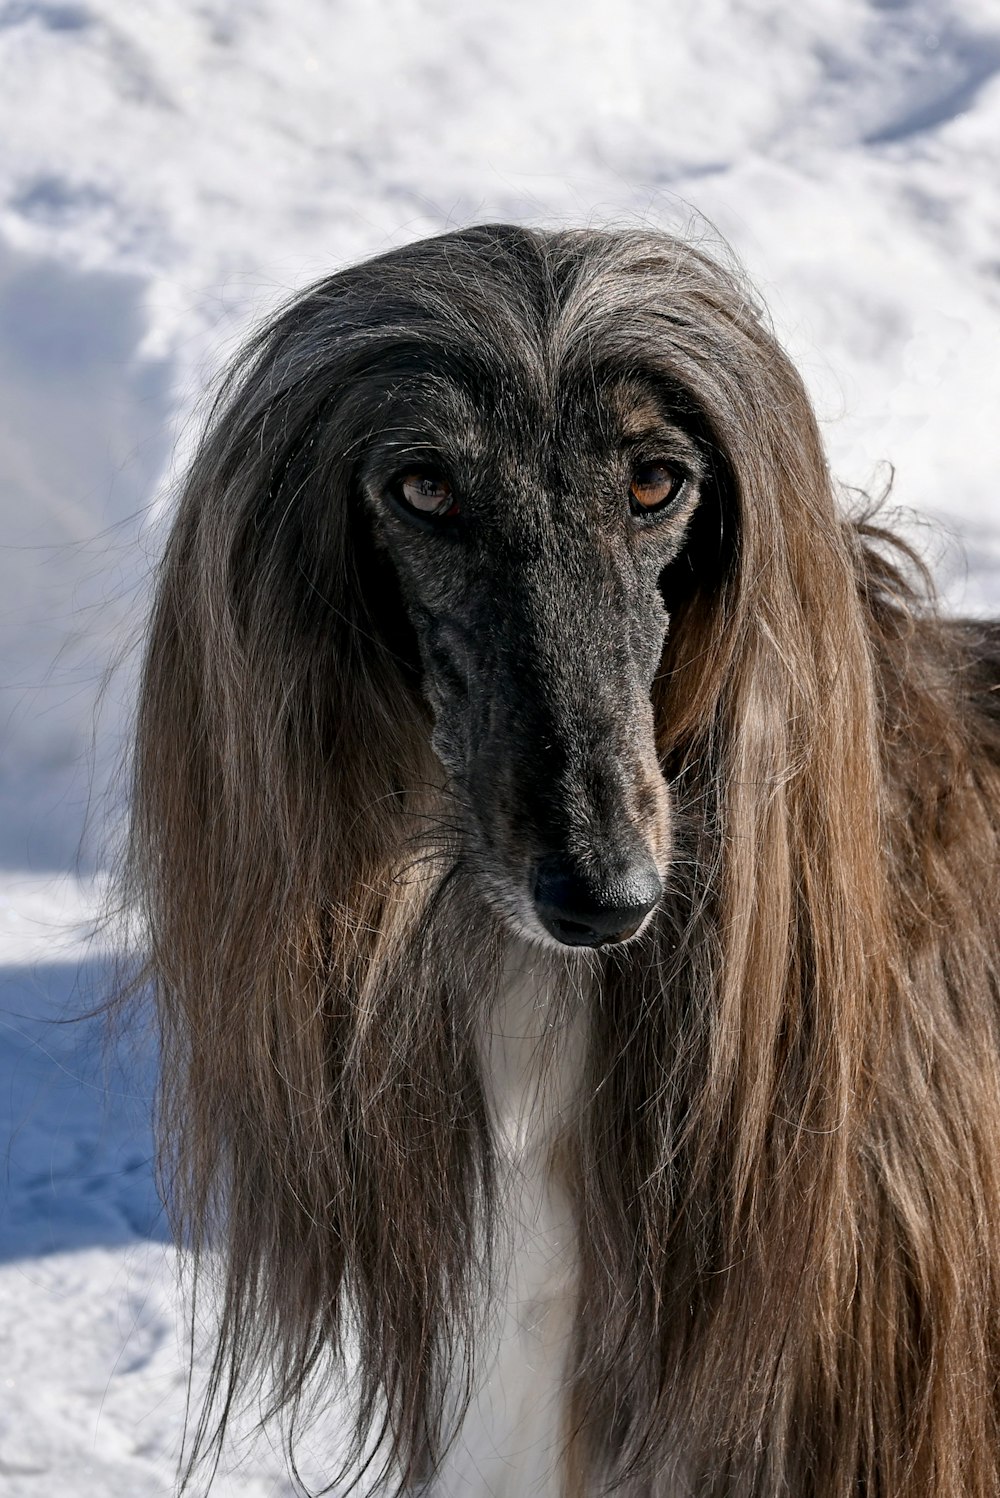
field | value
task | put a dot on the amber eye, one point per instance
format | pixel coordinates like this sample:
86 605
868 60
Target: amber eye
426 493
653 486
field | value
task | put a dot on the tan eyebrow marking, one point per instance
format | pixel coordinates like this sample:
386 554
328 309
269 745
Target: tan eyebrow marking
637 411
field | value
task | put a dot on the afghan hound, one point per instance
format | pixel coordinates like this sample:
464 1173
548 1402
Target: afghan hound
567 848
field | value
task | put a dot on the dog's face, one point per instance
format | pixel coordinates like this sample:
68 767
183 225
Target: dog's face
529 530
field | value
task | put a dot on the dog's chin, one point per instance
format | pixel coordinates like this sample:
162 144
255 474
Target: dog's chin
532 930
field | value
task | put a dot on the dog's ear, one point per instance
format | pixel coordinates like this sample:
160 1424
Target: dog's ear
768 684
775 939
320 1103
268 679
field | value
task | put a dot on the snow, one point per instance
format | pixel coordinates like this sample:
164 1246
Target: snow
171 170
93 1330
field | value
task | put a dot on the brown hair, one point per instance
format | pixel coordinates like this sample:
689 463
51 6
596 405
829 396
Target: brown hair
787 1164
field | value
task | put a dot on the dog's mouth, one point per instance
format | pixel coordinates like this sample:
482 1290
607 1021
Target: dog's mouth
578 934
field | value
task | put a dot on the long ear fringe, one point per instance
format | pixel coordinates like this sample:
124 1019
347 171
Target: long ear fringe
320 1079
766 1164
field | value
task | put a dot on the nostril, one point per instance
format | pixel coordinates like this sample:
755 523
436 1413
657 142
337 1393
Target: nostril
582 910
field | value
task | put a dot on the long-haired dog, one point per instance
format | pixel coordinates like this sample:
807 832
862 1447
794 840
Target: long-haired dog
568 852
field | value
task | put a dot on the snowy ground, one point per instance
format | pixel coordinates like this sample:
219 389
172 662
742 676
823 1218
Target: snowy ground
172 169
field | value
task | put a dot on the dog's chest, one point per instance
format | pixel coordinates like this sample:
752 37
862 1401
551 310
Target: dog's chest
511 1441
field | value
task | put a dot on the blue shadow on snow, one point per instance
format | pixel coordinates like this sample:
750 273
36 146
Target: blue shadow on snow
76 1171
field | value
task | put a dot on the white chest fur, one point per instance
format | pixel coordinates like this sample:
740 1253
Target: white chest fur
511 1441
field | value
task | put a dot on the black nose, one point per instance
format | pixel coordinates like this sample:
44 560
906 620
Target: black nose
581 911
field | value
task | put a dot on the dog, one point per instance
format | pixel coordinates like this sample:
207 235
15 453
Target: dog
567 848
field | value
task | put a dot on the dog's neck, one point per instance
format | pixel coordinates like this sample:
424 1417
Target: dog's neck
511 1443
531 1052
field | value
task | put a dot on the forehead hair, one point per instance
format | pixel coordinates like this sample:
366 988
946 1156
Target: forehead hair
516 316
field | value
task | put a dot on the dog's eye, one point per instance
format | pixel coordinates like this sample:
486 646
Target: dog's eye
427 493
653 486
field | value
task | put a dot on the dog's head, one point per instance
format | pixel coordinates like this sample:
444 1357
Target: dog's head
530 469
530 503
477 478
